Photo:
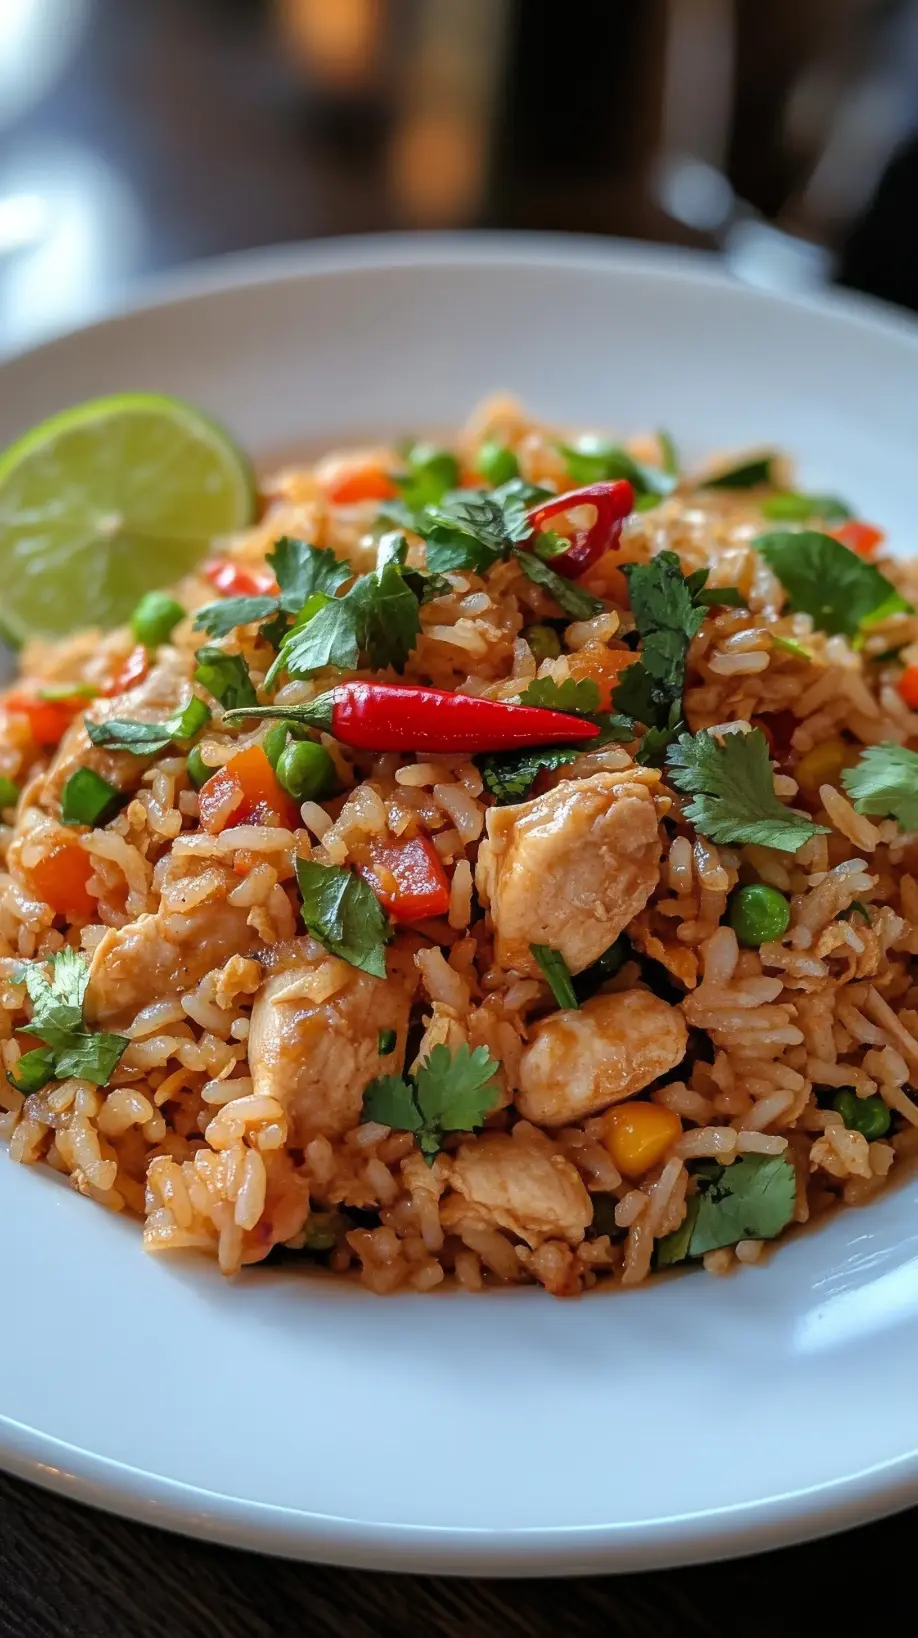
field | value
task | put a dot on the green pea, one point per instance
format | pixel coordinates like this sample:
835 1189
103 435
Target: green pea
544 642
155 618
197 769
9 793
496 463
274 742
869 1116
759 914
306 770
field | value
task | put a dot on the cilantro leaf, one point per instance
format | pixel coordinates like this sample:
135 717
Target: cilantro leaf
148 738
826 580
579 604
668 613
450 1092
32 1071
752 1199
790 506
734 798
343 913
578 698
884 782
219 619
302 570
594 460
510 775
746 473
226 676
69 1048
556 973
377 619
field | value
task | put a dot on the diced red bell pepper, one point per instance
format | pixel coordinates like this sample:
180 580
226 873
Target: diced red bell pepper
60 877
232 579
133 671
361 483
48 719
246 791
859 537
908 686
408 878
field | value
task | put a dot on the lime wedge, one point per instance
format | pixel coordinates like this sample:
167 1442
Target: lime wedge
107 501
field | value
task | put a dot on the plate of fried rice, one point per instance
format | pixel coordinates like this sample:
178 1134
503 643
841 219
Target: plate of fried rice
458 1029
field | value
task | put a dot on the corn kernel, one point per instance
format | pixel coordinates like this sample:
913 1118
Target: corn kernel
637 1135
823 765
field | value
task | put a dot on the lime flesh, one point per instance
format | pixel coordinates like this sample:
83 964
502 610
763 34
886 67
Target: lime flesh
109 500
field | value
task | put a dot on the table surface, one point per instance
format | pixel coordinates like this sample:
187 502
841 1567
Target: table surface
68 1572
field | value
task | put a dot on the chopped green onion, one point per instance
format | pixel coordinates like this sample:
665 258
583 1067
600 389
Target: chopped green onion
197 769
9 793
557 974
88 799
155 618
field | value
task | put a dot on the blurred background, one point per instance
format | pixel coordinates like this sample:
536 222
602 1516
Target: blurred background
136 135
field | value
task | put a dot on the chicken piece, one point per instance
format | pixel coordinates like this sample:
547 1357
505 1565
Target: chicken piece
569 869
162 955
314 1036
161 692
516 1183
577 1063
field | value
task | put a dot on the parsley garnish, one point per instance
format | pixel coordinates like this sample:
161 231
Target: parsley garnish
884 782
299 569
343 913
147 738
733 793
579 604
747 473
556 973
69 1048
595 460
510 775
226 676
752 1199
829 582
450 1092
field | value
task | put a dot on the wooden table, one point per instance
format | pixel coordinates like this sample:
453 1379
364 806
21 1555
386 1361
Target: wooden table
68 1572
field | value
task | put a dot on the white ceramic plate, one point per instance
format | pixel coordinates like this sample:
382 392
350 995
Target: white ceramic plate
512 1432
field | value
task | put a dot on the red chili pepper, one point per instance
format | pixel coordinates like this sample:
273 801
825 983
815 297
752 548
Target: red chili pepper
613 502
408 878
396 717
231 579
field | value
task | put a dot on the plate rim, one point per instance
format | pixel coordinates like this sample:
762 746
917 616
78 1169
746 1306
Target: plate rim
798 1515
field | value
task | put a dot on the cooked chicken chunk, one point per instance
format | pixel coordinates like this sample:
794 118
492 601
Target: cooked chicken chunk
161 692
577 1063
314 1036
164 954
569 869
520 1184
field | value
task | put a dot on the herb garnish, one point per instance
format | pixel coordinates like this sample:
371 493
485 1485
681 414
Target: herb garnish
88 799
556 973
733 792
341 910
790 506
300 571
573 599
226 676
829 582
69 1048
375 623
449 1092
884 782
148 738
752 1199
510 775
430 474
595 460
746 473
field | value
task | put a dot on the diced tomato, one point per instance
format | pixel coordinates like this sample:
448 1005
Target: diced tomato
246 791
48 719
908 686
132 671
408 878
603 666
863 538
60 879
233 579
361 483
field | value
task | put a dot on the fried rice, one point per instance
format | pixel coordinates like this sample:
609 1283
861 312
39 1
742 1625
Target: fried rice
215 1131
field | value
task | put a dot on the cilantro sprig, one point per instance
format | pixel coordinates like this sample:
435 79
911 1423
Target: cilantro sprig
148 738
342 912
884 782
449 1092
829 582
376 622
752 1199
68 1048
226 676
594 459
733 794
510 775
300 571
